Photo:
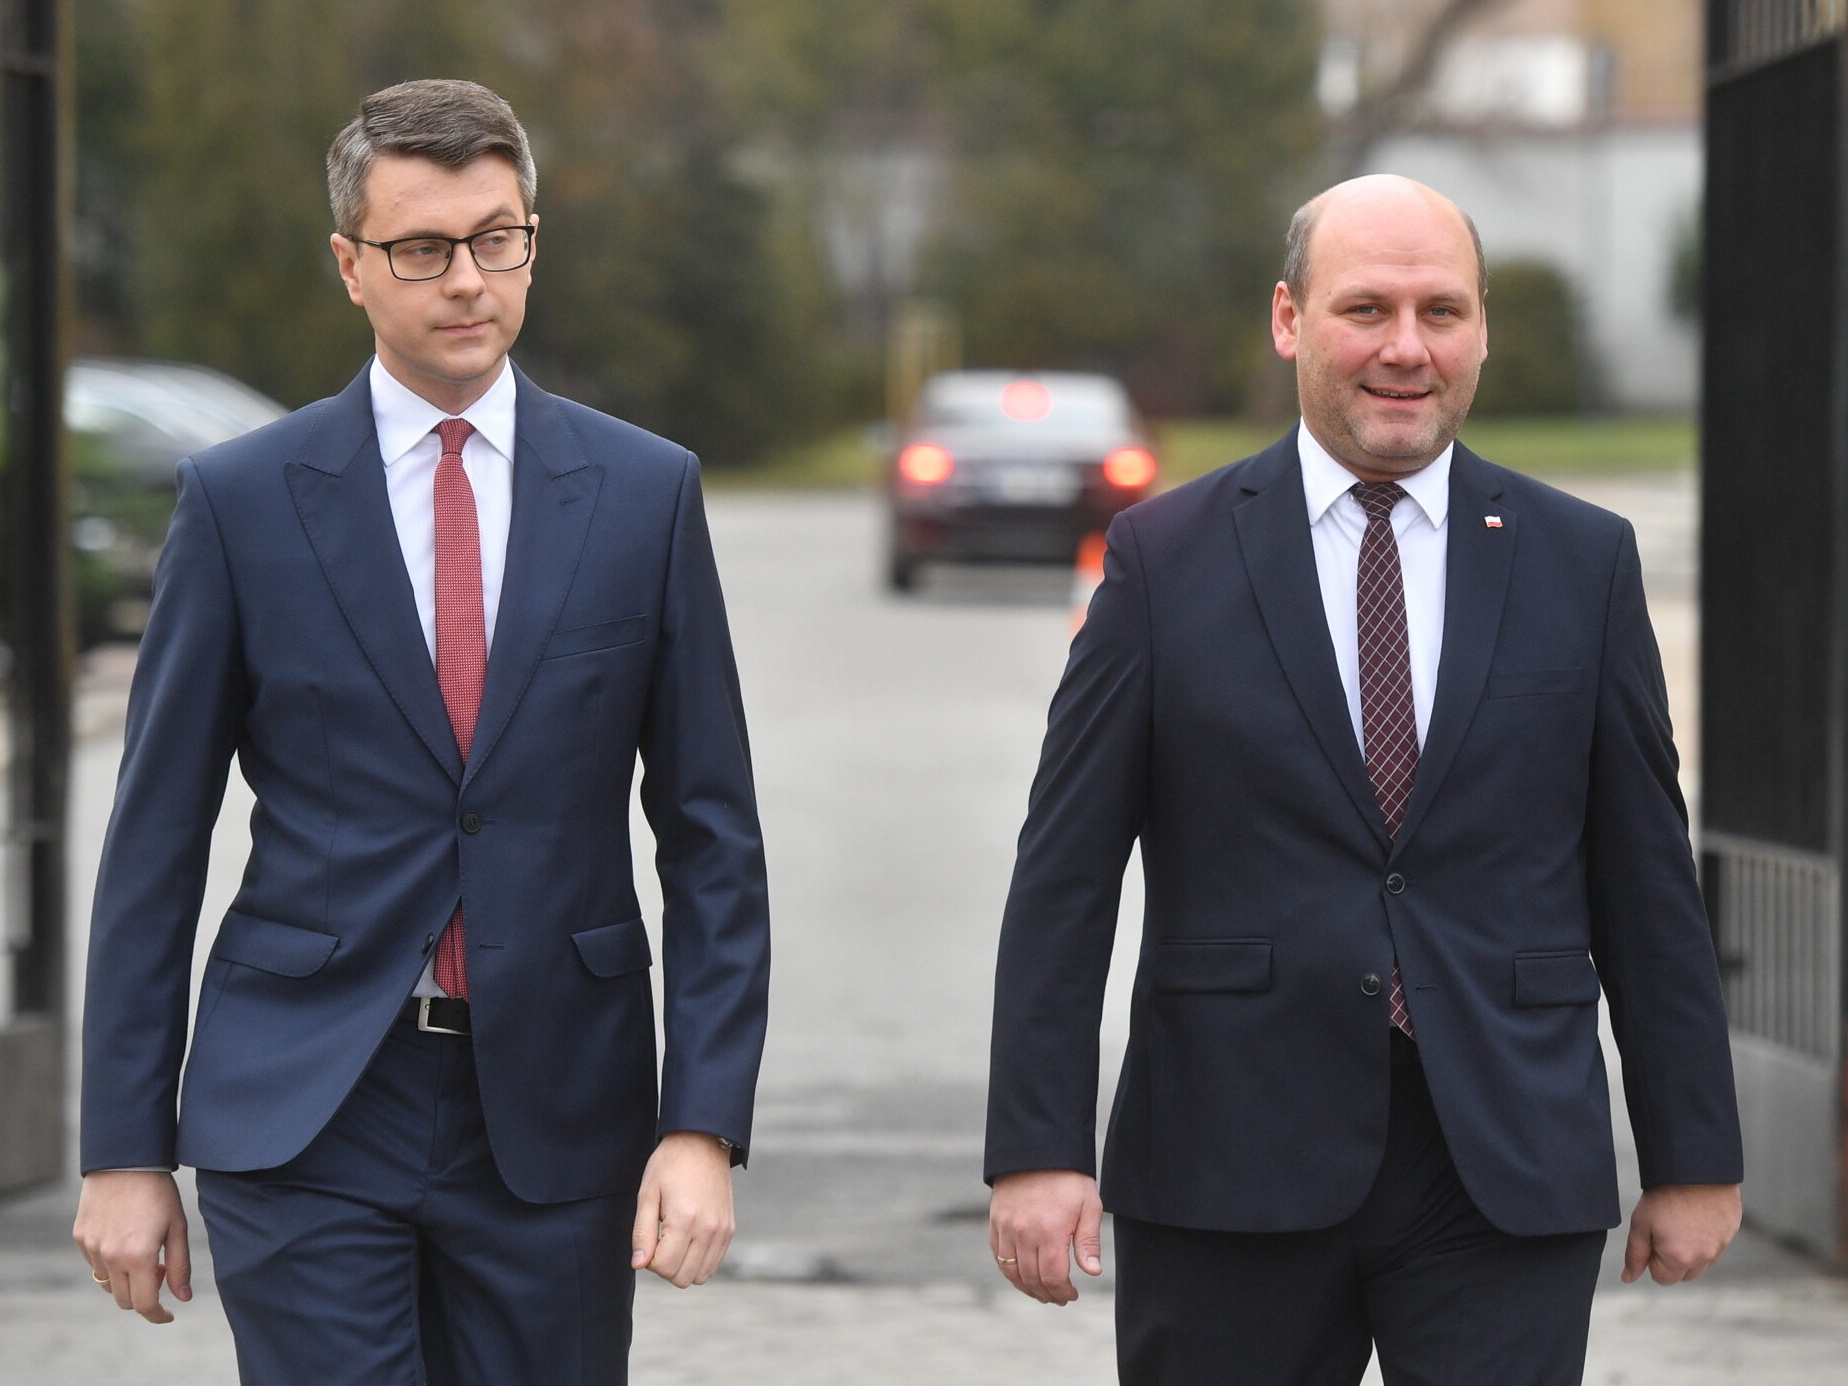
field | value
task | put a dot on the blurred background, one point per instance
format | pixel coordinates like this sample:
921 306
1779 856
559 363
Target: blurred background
752 208
767 222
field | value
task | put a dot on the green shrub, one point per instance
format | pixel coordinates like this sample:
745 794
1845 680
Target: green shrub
1535 363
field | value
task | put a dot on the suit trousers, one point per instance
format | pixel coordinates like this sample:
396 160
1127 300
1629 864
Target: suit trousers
1447 1298
390 1253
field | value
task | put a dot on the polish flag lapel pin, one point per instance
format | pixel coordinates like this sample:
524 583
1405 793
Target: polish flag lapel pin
1492 521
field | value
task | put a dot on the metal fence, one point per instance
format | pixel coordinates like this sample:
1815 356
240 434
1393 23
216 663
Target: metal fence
1744 33
1774 590
1771 533
1777 920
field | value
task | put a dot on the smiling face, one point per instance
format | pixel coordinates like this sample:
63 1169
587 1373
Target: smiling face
1391 334
444 339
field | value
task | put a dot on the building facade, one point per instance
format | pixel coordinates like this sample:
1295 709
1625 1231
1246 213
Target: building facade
1570 129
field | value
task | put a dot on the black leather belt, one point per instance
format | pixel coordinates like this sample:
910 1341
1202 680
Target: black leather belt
439 1015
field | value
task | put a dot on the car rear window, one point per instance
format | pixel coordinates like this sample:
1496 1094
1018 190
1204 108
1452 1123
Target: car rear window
1023 401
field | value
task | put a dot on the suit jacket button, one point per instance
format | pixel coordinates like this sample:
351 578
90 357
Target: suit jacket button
1370 984
429 942
471 822
1395 884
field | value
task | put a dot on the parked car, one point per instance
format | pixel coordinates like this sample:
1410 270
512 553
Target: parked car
130 423
995 466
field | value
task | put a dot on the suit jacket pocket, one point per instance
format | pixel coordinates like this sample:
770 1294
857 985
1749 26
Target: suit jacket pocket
1212 964
615 949
1554 979
265 944
1528 683
605 635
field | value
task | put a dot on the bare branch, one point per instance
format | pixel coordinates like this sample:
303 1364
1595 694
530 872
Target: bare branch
1376 116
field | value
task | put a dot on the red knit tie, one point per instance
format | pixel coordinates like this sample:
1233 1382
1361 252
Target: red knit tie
1388 720
461 642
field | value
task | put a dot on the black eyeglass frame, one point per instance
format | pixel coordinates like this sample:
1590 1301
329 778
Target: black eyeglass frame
453 241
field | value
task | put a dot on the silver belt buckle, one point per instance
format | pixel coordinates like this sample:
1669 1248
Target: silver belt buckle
423 1019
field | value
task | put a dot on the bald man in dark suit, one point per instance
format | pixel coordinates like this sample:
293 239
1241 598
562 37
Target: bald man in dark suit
1388 723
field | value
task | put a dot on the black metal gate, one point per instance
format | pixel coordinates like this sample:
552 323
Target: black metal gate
35 740
1774 598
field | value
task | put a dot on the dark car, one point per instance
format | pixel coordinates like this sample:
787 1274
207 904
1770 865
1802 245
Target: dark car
1014 468
130 422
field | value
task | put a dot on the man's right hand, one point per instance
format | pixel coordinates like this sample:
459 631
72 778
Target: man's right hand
1038 1220
126 1221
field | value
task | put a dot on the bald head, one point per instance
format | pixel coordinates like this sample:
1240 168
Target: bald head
1385 320
1383 196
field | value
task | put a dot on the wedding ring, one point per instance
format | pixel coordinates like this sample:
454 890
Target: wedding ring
1007 1260
102 1280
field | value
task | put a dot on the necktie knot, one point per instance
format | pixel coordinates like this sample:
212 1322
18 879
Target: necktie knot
454 433
1378 498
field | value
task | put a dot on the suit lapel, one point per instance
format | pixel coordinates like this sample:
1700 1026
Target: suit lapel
1478 562
1273 533
338 483
555 490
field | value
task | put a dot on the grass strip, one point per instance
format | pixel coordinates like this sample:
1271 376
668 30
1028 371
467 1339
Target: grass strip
1537 446
1188 448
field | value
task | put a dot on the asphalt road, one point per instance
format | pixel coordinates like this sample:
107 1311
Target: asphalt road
894 741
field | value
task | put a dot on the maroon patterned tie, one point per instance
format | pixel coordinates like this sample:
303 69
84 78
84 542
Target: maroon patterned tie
461 642
1388 722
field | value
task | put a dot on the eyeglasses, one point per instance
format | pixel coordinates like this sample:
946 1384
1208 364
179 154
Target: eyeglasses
496 250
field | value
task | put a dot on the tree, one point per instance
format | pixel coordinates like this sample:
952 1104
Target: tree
674 297
665 292
1535 363
1119 170
1127 172
1392 106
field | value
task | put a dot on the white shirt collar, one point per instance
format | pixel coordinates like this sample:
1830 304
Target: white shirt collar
404 419
1325 480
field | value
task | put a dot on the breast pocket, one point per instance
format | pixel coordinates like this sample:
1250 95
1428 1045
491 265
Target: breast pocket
1533 683
605 635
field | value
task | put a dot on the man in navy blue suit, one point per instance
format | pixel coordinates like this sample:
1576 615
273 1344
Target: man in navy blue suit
437 618
1389 725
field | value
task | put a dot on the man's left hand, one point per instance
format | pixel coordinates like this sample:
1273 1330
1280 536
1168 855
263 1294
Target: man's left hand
683 1214
1678 1230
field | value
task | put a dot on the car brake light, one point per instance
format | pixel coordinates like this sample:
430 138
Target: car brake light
1026 400
1130 468
926 464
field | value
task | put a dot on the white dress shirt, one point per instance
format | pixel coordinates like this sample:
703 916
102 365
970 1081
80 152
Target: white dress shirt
1420 523
406 425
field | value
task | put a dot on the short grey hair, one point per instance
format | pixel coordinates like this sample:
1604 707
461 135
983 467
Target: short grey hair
451 123
1296 251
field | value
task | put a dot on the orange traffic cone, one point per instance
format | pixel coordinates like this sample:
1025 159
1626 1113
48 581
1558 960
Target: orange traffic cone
1087 577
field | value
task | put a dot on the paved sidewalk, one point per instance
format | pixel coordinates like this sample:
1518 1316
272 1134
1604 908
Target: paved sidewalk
1794 1334
1764 1318
862 1257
